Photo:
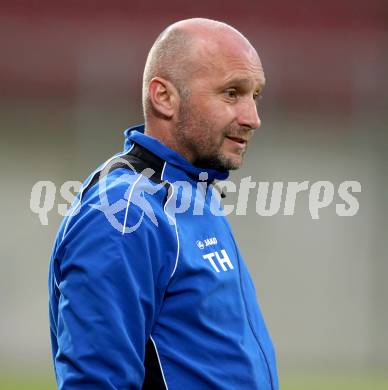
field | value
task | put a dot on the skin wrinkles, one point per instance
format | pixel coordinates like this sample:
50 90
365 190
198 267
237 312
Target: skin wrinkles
212 125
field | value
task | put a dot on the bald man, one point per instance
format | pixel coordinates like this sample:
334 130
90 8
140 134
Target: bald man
148 289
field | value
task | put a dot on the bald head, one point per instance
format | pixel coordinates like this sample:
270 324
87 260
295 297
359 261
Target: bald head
186 48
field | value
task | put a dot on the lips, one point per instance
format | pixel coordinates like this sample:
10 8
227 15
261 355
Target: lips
239 140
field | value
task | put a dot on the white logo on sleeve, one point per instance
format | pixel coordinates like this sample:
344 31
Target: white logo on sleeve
223 260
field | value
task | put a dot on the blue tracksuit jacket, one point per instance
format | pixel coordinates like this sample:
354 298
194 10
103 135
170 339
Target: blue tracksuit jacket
147 287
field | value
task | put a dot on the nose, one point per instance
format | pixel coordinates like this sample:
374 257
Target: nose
248 115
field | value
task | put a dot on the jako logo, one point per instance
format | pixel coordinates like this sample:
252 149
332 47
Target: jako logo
200 244
206 242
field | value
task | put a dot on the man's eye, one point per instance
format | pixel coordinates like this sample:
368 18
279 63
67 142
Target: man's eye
231 92
257 96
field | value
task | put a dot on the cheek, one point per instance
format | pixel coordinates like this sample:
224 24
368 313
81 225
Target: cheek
221 115
213 118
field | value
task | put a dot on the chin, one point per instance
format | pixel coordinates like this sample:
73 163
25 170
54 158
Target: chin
233 161
232 164
220 161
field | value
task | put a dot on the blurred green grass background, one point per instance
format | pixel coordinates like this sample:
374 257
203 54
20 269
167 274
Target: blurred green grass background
351 381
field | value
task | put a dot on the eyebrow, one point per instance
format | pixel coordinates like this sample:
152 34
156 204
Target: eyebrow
244 81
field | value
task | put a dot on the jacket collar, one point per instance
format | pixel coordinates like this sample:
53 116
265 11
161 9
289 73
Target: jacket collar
136 135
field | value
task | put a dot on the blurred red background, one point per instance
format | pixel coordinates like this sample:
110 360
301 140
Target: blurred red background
316 54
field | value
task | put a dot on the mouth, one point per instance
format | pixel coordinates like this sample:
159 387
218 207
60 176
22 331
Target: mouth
238 140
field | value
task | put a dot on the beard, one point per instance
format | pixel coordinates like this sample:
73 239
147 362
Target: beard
197 134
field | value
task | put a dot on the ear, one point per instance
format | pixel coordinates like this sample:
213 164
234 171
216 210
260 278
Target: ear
163 96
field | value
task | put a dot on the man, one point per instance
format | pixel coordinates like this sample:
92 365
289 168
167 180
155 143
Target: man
148 289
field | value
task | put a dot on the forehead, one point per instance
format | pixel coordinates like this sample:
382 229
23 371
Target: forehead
232 62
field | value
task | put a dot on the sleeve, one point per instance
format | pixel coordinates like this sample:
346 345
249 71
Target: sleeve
110 290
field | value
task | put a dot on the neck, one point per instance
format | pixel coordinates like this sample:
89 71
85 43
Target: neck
167 136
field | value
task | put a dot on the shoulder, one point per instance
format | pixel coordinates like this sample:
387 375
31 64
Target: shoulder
119 220
118 203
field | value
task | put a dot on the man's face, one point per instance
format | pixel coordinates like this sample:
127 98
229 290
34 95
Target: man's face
216 121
